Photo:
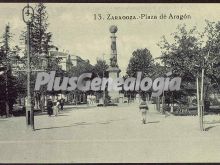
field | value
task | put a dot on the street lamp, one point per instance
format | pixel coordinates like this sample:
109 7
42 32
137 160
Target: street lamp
103 74
200 93
27 15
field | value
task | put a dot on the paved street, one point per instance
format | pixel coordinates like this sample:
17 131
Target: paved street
109 134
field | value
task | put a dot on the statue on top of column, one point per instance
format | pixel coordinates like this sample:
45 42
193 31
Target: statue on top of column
113 60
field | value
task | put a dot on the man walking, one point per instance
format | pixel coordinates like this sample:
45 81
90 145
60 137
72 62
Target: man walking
61 103
143 108
49 107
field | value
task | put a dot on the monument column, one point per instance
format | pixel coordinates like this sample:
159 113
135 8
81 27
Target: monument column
113 70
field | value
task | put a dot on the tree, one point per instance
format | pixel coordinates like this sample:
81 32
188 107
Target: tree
100 70
141 61
80 68
40 45
212 58
184 56
194 56
41 39
8 90
190 52
75 71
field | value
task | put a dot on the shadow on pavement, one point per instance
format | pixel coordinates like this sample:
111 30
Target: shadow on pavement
210 127
61 115
79 124
108 122
75 124
212 122
151 122
78 107
40 113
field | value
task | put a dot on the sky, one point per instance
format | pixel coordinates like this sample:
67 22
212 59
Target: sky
76 31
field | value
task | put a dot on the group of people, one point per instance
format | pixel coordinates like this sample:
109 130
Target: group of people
54 107
91 99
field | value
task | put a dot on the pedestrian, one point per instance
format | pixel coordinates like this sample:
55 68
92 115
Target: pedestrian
88 101
143 107
56 108
61 103
49 107
92 98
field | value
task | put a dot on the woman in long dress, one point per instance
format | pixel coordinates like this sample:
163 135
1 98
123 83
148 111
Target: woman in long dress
56 108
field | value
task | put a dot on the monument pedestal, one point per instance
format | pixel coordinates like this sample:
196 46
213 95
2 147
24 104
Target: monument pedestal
113 72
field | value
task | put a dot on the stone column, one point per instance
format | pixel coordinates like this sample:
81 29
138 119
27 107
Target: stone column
113 70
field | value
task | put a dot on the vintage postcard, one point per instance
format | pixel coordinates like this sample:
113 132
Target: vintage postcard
109 82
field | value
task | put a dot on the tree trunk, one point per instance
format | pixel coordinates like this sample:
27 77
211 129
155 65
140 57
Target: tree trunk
198 98
202 102
158 104
42 102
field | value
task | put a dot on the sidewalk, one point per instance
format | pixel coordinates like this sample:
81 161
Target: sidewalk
109 134
79 106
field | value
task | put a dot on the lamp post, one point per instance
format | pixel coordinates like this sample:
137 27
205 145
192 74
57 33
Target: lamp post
27 15
200 93
103 74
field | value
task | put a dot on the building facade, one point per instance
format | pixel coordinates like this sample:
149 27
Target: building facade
67 62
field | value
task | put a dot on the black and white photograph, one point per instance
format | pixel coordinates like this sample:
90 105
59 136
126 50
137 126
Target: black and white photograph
109 82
